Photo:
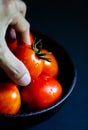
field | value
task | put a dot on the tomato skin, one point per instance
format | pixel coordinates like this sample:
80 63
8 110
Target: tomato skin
10 99
50 68
33 63
41 93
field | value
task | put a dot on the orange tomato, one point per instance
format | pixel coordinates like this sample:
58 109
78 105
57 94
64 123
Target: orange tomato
10 99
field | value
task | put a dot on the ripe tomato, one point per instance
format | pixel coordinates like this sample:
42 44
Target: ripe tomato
10 100
41 93
50 68
33 63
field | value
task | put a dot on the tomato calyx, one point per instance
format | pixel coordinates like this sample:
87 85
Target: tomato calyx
37 48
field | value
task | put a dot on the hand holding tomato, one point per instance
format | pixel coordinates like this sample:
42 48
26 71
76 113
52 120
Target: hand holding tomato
44 90
24 63
30 59
12 14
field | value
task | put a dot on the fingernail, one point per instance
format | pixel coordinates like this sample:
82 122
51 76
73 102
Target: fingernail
25 80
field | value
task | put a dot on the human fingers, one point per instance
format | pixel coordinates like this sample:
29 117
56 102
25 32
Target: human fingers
21 25
21 7
11 33
14 68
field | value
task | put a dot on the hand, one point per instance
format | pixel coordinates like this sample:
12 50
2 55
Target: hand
12 13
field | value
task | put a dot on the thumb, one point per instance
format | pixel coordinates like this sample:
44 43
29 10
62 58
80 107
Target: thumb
14 68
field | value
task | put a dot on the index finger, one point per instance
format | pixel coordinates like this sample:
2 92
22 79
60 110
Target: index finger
21 25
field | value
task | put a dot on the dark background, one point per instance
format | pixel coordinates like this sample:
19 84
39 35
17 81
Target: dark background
66 22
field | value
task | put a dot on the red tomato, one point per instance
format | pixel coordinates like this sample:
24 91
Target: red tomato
33 63
41 93
10 100
50 68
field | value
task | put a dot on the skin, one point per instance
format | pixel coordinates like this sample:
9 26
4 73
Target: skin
12 13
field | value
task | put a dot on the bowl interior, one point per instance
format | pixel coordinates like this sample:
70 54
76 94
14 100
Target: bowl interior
67 78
